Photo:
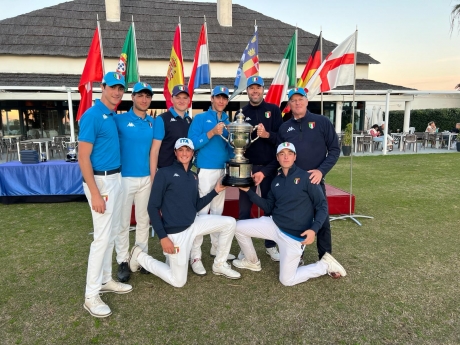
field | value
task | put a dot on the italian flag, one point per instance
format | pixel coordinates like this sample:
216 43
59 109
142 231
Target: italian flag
285 77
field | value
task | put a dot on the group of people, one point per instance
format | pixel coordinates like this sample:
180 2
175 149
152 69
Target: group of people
132 158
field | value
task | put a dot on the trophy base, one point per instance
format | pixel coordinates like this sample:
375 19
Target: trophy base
237 181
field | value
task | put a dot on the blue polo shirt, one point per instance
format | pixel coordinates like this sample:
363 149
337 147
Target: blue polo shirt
97 127
136 135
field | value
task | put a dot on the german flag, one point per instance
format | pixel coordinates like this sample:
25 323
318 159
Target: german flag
314 61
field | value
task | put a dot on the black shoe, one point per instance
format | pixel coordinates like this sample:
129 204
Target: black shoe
123 272
144 271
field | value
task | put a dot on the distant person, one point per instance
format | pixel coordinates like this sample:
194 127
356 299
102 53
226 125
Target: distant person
175 194
99 160
390 139
376 137
431 128
456 129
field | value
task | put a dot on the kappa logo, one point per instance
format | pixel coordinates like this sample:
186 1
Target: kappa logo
173 120
176 175
290 129
208 121
247 119
130 125
276 185
201 140
104 116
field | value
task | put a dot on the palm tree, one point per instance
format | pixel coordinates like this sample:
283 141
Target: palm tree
454 17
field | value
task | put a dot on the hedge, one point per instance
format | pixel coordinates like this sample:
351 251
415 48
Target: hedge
445 119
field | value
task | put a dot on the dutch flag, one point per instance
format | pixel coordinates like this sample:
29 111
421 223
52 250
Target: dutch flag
200 70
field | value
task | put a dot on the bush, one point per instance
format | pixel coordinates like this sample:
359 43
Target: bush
445 119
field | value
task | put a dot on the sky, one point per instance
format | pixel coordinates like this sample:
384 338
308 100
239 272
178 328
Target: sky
410 38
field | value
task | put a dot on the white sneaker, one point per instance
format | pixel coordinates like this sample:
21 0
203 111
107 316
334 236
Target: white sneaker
335 270
132 261
96 307
197 267
117 287
245 263
224 269
213 254
240 255
273 252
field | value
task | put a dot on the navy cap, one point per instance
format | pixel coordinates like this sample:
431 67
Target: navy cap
113 78
255 80
220 90
180 88
138 87
297 91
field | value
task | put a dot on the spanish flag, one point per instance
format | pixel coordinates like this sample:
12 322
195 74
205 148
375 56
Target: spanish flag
175 74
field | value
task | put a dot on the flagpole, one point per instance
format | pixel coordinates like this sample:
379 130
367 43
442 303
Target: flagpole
207 48
135 47
350 214
100 44
321 61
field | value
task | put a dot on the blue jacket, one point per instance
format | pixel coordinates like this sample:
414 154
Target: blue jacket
210 153
175 194
315 141
293 202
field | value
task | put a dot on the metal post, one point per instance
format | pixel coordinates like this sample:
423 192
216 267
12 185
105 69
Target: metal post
72 128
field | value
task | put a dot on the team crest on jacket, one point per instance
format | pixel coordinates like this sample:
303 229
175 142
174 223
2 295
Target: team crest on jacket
296 180
268 114
311 125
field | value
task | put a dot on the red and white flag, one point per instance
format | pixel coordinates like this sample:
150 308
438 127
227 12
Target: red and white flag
336 70
93 71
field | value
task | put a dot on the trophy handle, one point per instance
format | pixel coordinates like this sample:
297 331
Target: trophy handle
253 129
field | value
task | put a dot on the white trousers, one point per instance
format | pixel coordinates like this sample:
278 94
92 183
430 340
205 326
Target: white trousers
207 181
176 272
137 190
290 250
106 227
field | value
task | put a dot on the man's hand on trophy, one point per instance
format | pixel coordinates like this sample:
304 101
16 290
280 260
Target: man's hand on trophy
258 177
219 128
261 132
219 186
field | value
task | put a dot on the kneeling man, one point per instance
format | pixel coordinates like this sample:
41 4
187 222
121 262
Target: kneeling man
175 194
292 201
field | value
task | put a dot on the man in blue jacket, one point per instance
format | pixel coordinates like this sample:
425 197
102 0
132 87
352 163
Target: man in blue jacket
135 130
298 210
317 150
267 118
175 194
212 152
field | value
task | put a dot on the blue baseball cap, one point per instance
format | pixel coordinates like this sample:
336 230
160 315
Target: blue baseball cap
138 87
184 142
297 91
220 90
113 78
180 88
255 80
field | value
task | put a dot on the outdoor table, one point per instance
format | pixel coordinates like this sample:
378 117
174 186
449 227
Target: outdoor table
11 137
451 135
356 136
39 141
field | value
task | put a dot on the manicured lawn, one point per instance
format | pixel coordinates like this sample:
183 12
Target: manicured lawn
402 285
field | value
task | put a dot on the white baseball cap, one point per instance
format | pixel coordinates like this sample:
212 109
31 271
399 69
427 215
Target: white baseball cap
183 142
285 145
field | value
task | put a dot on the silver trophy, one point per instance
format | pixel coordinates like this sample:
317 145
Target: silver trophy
70 147
238 169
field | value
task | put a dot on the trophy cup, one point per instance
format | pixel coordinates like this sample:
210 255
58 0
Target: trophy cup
71 148
238 169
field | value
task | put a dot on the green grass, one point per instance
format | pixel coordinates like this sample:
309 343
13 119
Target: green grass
402 285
